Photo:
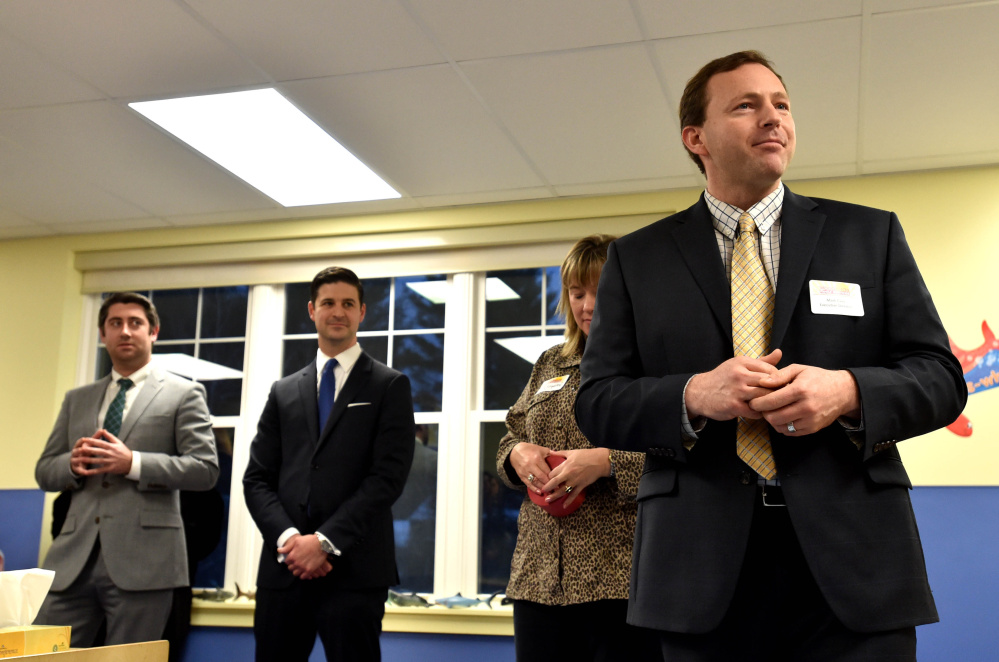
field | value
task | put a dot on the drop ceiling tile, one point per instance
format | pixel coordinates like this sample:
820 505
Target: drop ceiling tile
492 28
296 39
128 48
596 115
820 65
114 149
668 18
28 80
419 128
930 89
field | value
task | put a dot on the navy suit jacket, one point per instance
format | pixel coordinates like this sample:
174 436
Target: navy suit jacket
340 481
663 314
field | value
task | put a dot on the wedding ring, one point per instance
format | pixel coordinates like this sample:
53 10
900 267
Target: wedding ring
568 488
790 427
530 478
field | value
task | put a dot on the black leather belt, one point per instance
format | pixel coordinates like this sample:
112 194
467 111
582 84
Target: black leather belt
771 495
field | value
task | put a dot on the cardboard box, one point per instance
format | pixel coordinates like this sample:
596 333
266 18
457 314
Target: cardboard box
33 639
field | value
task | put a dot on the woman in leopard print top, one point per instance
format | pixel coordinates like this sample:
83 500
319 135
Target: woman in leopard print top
569 575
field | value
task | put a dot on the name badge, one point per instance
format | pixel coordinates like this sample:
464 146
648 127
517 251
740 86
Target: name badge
553 384
830 297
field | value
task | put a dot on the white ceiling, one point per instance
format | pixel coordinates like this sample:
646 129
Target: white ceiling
459 102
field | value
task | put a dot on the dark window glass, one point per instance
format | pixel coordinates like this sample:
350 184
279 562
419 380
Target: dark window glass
414 310
554 287
296 309
414 515
376 304
421 358
223 312
500 507
298 353
506 373
178 311
523 311
376 347
206 520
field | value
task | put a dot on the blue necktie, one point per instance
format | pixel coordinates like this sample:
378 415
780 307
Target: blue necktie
327 392
112 419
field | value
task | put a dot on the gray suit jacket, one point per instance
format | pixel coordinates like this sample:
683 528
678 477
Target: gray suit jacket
141 532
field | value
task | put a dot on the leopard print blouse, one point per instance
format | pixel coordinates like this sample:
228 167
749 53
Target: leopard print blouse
585 556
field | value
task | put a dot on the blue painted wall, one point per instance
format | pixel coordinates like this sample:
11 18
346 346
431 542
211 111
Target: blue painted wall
959 527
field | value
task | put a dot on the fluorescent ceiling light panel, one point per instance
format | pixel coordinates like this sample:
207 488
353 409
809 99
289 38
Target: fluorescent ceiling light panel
531 347
263 139
188 366
435 291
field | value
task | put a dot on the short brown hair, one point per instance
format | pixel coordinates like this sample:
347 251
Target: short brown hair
694 102
581 267
336 275
128 297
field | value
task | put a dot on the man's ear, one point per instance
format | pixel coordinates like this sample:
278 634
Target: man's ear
154 333
693 140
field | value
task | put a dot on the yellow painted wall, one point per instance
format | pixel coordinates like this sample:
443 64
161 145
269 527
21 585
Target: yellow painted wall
951 219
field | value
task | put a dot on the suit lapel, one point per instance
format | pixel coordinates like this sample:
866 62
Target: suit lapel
308 378
695 237
359 376
799 235
95 397
149 390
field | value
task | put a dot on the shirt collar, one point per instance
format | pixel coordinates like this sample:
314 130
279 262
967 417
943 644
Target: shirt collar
347 358
725 217
138 377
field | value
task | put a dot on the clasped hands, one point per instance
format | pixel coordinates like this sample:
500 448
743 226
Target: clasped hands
103 453
581 468
305 557
810 397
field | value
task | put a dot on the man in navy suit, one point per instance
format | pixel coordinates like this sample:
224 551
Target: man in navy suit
333 448
812 554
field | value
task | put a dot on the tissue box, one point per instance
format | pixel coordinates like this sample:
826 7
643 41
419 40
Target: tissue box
33 639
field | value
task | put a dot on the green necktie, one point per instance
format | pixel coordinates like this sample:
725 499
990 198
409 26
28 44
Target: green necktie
112 420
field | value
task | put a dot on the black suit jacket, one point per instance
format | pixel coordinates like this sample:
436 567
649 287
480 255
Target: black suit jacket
663 314
341 481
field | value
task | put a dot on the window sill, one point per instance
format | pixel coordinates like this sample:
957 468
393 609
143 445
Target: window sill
437 620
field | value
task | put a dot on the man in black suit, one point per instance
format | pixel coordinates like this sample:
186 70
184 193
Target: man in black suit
333 448
807 550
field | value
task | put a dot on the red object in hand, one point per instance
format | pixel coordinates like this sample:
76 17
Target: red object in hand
558 507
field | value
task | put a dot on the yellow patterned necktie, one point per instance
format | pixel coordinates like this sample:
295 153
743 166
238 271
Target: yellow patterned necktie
752 318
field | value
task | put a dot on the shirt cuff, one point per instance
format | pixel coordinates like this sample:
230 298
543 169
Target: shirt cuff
283 538
689 428
135 473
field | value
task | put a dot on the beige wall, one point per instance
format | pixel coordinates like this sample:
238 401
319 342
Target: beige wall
951 219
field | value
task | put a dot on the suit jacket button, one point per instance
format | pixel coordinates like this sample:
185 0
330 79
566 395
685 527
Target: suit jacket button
315 467
105 484
97 520
745 478
669 452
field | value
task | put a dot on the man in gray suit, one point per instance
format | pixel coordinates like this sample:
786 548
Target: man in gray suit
124 445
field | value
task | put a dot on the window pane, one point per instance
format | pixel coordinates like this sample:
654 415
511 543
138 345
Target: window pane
525 310
376 304
554 287
296 309
506 373
500 507
298 353
224 395
223 312
422 359
414 515
206 520
178 311
376 347
418 311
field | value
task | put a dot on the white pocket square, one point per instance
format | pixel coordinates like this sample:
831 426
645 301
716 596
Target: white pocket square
358 404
